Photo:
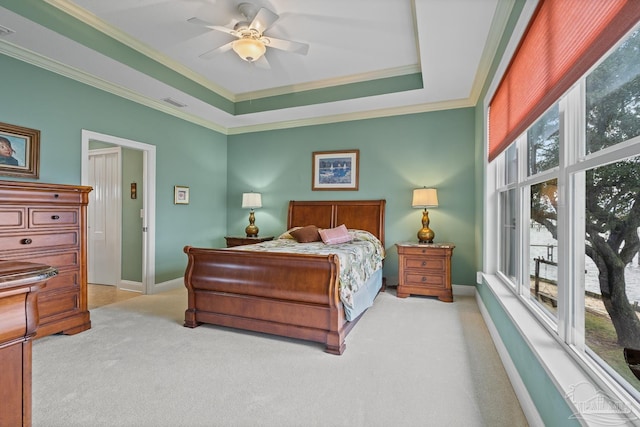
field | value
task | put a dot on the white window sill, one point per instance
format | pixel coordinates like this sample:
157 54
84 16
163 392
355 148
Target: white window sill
581 393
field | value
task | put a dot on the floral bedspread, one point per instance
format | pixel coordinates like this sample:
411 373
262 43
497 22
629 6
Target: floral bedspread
359 259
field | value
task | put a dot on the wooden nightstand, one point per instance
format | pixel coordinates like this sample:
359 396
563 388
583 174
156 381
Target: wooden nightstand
239 241
425 269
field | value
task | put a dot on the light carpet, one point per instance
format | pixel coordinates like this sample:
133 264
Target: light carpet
408 362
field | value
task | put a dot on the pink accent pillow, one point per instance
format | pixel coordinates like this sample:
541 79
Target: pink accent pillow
332 236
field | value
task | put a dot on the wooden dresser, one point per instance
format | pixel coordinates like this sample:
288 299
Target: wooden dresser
46 224
19 286
425 269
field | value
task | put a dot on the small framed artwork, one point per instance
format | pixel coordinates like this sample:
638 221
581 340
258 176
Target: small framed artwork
19 151
180 195
335 170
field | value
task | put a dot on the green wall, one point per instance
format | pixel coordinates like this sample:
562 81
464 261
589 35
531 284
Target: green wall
397 154
186 154
131 220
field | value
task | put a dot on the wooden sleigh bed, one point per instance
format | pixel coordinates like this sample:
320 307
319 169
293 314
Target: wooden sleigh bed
291 295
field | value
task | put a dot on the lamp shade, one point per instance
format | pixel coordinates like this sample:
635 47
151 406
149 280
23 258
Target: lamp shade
425 198
251 200
249 49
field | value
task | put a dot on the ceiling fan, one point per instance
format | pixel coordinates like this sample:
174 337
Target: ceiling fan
251 43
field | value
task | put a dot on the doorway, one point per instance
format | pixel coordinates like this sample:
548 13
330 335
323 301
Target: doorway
147 213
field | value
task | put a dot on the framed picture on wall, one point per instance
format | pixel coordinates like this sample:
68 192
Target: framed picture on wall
335 170
180 195
19 151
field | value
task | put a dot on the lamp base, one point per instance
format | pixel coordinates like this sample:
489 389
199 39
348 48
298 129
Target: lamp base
426 235
252 229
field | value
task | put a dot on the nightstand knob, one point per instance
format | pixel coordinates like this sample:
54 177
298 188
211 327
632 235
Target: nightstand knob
424 251
424 263
424 279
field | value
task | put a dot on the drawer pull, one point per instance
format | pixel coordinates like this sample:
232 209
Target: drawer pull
55 196
26 241
424 251
424 263
424 279
55 216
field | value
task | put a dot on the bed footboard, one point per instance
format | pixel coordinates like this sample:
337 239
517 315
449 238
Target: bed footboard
291 295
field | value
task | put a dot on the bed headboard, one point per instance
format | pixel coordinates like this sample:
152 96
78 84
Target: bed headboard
365 215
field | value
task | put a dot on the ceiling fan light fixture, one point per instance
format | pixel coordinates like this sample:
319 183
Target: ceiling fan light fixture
249 49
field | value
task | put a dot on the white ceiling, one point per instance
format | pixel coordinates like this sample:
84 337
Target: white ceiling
451 42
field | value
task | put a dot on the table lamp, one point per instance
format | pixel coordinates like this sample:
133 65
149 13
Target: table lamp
251 201
425 198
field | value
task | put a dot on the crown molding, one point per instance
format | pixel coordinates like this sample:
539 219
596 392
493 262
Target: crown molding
99 25
48 64
360 115
498 26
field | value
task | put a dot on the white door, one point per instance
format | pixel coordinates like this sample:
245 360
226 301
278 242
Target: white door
104 217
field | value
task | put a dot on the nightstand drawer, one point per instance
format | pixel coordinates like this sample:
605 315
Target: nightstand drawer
431 263
418 278
421 250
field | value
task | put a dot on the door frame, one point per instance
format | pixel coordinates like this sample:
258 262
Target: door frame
148 197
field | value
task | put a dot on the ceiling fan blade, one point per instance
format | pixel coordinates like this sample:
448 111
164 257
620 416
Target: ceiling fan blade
209 25
288 45
263 20
214 52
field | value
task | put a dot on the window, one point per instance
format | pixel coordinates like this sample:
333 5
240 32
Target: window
543 245
570 250
612 273
613 97
508 233
542 142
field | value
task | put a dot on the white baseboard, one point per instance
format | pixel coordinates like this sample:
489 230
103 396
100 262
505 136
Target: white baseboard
128 285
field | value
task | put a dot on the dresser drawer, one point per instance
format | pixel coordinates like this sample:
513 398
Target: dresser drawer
65 279
57 259
34 241
33 196
431 263
12 218
417 278
42 217
56 305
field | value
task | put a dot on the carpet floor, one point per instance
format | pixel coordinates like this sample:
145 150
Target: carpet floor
408 362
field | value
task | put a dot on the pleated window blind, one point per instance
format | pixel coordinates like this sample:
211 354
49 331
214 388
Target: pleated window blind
564 39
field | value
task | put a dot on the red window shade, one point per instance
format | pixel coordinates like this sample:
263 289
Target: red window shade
564 39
